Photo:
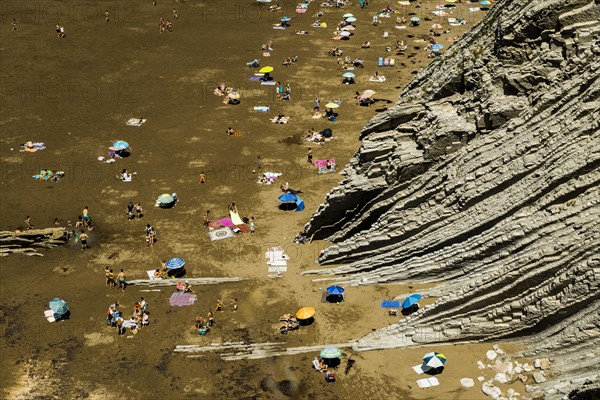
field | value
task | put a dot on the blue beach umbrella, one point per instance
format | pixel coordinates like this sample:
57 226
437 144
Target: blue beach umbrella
288 198
411 300
348 75
59 306
351 19
121 144
330 352
436 47
335 289
485 3
285 19
175 263
415 19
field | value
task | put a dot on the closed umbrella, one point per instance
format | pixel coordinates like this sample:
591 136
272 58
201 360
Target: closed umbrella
265 70
305 313
335 289
332 105
59 306
434 359
348 75
175 263
121 144
411 300
330 352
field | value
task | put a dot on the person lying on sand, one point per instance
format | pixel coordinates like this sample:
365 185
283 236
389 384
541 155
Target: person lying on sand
301 33
365 45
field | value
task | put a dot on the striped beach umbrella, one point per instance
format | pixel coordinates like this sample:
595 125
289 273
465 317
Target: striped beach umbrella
175 263
59 306
436 26
434 359
330 352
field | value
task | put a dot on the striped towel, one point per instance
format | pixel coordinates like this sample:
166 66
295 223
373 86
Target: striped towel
182 299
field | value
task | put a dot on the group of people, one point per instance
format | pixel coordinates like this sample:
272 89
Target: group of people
111 282
288 323
204 324
134 211
165 25
139 318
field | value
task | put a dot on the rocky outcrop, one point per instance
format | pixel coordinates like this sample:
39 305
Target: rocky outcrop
485 179
30 241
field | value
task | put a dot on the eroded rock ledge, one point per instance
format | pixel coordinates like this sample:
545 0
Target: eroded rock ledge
30 241
486 177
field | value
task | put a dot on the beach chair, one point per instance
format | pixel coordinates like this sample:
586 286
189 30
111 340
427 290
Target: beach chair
316 364
380 62
386 62
392 62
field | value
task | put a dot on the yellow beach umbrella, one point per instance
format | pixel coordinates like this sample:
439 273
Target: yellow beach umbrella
305 313
332 105
265 70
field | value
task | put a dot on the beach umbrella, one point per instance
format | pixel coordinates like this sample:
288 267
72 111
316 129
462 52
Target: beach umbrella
121 144
345 33
265 70
234 95
165 198
285 19
348 15
335 289
485 3
436 47
411 300
436 26
332 105
367 93
415 19
434 359
175 263
305 313
300 10
330 352
59 306
351 19
348 28
288 198
348 75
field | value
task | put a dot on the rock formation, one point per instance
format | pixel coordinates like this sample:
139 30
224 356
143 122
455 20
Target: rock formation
28 242
484 178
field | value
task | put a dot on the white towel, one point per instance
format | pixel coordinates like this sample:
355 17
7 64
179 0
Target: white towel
428 382
418 369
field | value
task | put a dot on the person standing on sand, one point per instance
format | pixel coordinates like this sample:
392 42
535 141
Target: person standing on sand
14 24
252 225
316 104
122 280
111 279
175 15
28 222
206 218
260 164
130 215
309 155
210 319
83 239
106 15
233 304
202 177
161 26
138 210
219 306
106 272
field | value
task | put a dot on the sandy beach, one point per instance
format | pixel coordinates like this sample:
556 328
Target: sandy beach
75 95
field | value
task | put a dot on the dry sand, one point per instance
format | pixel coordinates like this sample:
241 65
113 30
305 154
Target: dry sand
76 93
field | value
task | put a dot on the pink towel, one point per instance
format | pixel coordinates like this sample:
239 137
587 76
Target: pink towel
323 163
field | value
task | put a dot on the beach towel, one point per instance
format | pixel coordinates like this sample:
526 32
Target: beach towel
268 83
255 78
182 299
380 79
48 314
242 228
266 54
220 234
36 146
235 218
261 108
400 27
473 9
418 369
279 27
428 382
277 269
226 222
130 324
282 120
136 121
279 263
390 304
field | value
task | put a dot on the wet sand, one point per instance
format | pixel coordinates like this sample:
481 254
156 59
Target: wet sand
76 93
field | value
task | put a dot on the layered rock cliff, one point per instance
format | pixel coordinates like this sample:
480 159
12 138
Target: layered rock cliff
30 241
484 178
